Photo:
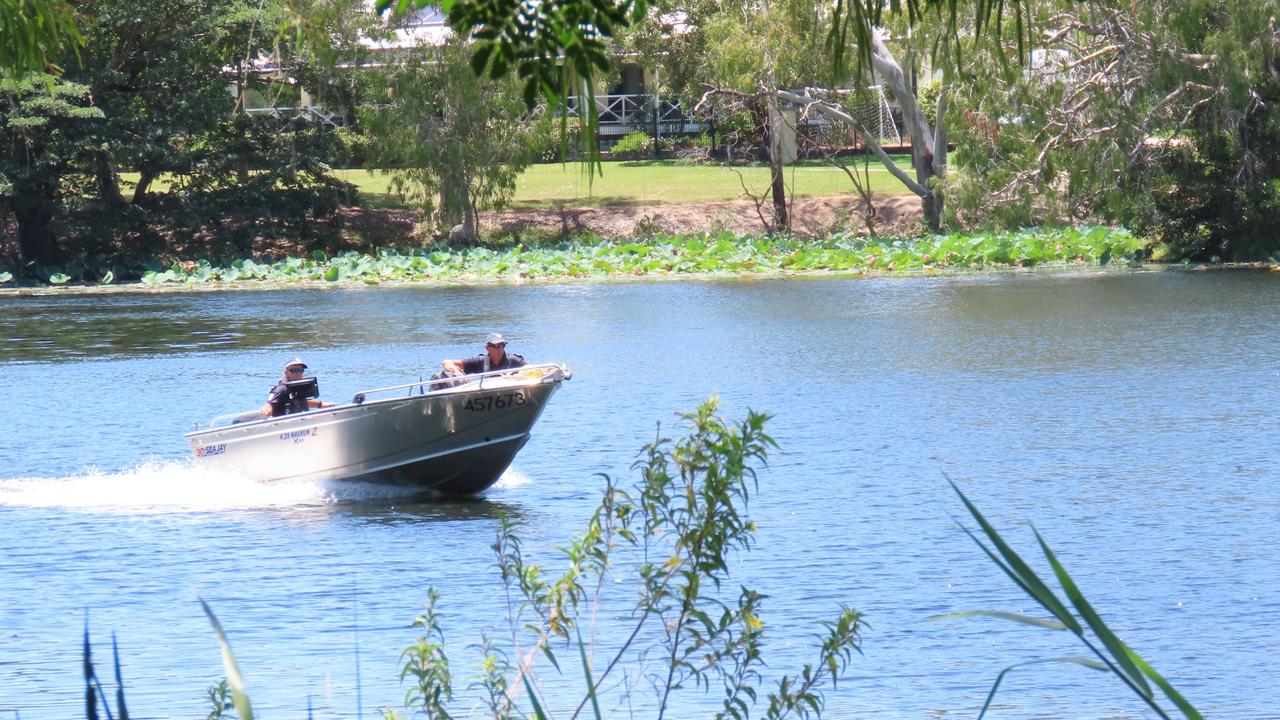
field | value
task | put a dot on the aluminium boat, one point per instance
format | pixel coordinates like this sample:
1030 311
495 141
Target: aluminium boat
454 436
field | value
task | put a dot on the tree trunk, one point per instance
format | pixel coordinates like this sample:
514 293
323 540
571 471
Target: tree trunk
456 211
35 239
470 226
929 164
778 180
107 181
145 176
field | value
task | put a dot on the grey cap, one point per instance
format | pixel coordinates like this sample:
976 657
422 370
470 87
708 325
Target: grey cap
495 339
295 361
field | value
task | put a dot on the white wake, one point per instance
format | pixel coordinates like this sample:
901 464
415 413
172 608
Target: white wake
180 485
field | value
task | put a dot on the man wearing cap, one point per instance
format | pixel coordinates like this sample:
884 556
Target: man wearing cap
494 357
278 400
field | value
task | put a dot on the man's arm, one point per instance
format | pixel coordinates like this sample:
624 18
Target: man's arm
464 366
273 397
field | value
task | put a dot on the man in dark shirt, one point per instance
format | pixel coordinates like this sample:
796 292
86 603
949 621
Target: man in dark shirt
278 400
494 357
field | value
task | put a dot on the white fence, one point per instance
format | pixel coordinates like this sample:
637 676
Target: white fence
623 114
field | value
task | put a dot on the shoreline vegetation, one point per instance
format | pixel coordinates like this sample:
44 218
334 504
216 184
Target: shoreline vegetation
641 220
659 256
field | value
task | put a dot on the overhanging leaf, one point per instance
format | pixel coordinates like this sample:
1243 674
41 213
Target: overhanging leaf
1114 644
1072 659
244 710
1017 568
1012 617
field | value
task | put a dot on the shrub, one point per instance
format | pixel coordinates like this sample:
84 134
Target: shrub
685 519
633 143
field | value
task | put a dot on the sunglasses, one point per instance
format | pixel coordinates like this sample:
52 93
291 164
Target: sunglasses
295 371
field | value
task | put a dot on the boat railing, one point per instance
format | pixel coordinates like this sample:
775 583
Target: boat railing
547 372
543 373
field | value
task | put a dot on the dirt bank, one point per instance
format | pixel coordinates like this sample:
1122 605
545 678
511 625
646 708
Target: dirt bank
814 217
897 215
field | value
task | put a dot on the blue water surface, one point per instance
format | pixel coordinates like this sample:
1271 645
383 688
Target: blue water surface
1129 416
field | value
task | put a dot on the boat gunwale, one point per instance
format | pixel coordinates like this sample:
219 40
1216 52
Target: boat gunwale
362 402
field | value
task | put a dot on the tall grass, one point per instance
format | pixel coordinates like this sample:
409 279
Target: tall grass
1081 619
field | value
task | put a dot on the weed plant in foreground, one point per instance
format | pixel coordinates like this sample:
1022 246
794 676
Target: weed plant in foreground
685 520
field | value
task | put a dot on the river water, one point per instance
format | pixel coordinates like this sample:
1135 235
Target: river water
1129 416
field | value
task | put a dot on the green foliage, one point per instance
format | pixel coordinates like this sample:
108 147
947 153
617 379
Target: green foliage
427 664
679 529
44 122
35 33
223 707
664 255
633 143
569 34
1157 118
155 68
457 144
1200 210
1114 655
152 97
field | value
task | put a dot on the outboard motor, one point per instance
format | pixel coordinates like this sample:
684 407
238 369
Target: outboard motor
297 393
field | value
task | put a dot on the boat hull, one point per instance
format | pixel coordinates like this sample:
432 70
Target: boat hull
456 441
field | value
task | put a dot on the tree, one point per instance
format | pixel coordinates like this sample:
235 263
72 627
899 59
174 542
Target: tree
1160 117
156 76
457 142
155 68
770 53
43 127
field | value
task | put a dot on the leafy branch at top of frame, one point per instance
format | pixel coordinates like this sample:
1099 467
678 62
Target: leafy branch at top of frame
1112 653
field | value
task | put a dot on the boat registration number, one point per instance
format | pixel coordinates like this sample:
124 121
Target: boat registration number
495 402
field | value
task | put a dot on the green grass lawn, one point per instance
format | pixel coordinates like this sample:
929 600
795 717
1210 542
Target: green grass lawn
651 183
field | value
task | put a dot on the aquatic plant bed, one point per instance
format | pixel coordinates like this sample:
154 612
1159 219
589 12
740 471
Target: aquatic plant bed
665 255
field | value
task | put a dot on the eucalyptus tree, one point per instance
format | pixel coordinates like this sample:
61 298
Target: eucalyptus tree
1159 114
456 143
775 52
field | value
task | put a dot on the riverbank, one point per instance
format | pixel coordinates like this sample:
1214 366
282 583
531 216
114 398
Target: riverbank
718 254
